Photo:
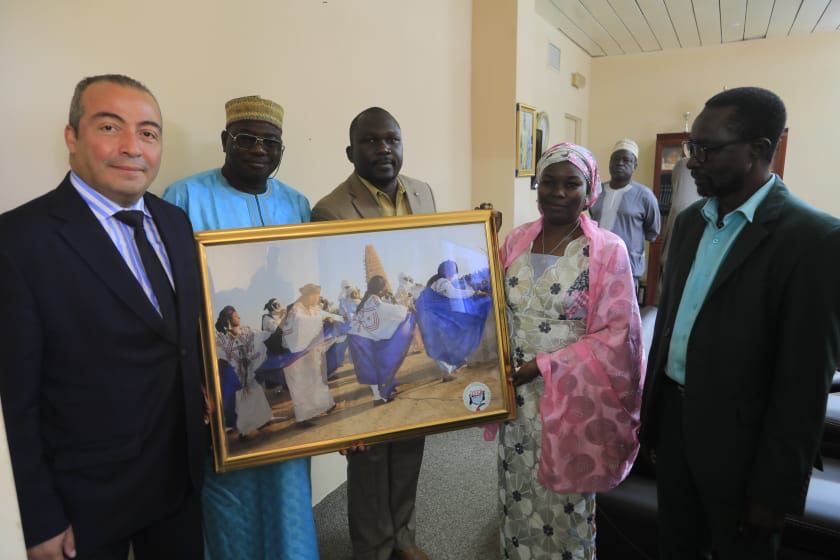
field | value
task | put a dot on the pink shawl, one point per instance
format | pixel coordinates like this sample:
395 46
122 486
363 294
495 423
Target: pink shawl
593 387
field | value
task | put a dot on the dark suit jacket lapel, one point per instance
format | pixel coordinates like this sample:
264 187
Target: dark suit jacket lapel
752 234
175 250
362 200
83 232
683 260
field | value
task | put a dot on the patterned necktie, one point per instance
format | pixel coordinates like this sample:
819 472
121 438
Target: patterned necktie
154 269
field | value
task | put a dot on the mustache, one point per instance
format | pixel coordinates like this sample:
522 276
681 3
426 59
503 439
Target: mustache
137 164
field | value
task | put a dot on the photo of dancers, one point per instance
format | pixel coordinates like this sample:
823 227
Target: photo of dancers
370 361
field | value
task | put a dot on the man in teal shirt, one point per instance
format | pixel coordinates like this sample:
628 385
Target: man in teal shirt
713 248
746 341
261 513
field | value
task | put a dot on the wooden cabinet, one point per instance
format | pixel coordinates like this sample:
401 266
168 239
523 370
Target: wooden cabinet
668 152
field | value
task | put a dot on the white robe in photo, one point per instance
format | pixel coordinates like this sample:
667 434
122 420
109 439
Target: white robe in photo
307 376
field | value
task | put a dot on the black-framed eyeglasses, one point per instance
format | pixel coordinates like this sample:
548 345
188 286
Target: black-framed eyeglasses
699 151
245 141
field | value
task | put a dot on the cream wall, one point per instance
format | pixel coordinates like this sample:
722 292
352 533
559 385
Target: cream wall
547 89
645 94
510 65
323 60
493 103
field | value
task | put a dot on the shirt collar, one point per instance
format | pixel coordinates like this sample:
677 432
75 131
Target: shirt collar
747 209
101 204
377 192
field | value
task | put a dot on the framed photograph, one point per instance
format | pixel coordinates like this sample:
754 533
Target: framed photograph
526 140
317 336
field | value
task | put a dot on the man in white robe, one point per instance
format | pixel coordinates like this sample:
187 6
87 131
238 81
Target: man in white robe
303 331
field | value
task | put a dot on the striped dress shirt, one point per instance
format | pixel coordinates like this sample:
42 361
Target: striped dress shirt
122 235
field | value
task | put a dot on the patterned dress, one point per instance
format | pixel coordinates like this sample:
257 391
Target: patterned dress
547 304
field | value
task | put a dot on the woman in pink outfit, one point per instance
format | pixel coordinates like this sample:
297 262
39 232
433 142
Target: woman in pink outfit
576 336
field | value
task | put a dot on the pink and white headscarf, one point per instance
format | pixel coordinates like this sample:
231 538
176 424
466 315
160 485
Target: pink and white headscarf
578 156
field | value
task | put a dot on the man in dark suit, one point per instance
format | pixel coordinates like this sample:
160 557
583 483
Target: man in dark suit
381 480
745 343
101 377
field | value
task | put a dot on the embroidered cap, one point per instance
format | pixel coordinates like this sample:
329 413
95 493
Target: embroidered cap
253 108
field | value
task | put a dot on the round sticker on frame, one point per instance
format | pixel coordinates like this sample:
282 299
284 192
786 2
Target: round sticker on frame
477 396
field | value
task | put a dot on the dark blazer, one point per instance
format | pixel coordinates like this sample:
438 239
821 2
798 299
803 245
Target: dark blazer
351 200
760 355
102 404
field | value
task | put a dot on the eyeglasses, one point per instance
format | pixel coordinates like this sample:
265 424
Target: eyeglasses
245 141
699 151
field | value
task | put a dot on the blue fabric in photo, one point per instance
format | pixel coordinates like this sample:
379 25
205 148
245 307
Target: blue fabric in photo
230 384
335 356
377 361
279 361
451 328
335 353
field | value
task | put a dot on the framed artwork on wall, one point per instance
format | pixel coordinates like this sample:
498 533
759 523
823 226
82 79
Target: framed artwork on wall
526 140
317 336
542 141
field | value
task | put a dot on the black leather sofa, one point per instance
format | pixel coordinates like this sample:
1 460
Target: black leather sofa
627 517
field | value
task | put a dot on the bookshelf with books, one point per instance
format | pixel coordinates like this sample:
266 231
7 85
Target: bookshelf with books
668 153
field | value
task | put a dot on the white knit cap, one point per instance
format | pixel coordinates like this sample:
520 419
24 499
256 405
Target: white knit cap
627 144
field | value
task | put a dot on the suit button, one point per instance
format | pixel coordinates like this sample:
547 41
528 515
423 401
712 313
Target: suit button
667 332
184 352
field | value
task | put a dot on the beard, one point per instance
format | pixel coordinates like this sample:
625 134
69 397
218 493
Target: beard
719 185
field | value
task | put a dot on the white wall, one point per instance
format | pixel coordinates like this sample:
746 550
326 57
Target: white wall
644 94
324 61
328 472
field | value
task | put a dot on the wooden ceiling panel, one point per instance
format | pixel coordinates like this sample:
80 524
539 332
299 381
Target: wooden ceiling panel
707 14
633 19
656 15
784 13
830 20
567 27
615 27
603 12
578 13
809 14
682 16
733 16
758 18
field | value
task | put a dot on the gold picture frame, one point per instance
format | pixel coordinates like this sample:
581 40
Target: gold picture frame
526 140
397 339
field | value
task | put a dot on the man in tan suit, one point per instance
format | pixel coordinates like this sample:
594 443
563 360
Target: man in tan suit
375 188
381 480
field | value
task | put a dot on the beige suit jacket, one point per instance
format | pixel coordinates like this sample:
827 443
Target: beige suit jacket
351 200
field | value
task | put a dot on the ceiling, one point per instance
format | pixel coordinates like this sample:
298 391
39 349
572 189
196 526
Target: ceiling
616 27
